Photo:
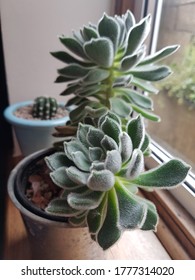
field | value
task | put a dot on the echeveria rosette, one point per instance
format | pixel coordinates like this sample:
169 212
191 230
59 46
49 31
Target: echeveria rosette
100 172
105 62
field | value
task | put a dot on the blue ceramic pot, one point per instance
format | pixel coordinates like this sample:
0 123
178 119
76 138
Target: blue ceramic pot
32 135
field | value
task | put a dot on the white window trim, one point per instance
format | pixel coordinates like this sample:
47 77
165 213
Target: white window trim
186 193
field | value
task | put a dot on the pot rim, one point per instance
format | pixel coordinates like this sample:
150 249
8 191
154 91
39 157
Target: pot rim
12 192
11 118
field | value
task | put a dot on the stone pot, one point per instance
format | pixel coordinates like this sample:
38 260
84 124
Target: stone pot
32 135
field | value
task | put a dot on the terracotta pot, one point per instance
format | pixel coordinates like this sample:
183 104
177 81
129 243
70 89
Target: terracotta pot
32 135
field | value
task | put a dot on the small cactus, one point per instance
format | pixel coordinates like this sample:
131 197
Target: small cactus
44 107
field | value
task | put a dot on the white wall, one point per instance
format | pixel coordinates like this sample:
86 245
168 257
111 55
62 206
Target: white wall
30 29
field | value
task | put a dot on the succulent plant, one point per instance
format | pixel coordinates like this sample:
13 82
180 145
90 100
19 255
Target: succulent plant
101 168
100 172
107 68
45 107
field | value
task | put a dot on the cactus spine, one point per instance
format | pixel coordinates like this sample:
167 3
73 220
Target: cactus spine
44 107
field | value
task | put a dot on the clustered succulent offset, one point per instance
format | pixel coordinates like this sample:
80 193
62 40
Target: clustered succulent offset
102 166
104 64
45 107
100 171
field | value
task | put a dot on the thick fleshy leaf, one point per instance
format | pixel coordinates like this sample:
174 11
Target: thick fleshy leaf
108 143
167 175
120 107
78 221
74 71
78 113
110 232
100 51
95 76
126 146
113 161
138 34
61 179
102 180
81 160
89 33
95 153
146 114
74 46
96 217
161 54
129 20
64 57
111 115
82 133
60 207
71 88
136 131
145 144
62 79
111 128
131 60
77 176
144 85
131 211
151 217
96 112
136 164
56 160
133 96
85 201
95 136
122 30
108 27
153 73
73 146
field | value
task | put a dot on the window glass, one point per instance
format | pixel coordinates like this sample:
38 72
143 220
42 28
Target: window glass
175 103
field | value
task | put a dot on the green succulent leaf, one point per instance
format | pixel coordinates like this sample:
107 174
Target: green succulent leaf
101 180
77 176
120 107
77 221
131 60
60 206
108 143
96 217
89 33
146 143
110 232
78 113
108 27
85 201
161 54
126 146
74 71
122 30
95 76
74 46
113 161
71 88
81 160
57 160
136 131
167 175
111 128
61 179
131 211
146 114
152 73
94 137
151 216
138 34
95 153
144 85
100 51
136 164
129 19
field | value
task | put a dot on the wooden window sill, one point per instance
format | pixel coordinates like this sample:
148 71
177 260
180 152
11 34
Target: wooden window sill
133 245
